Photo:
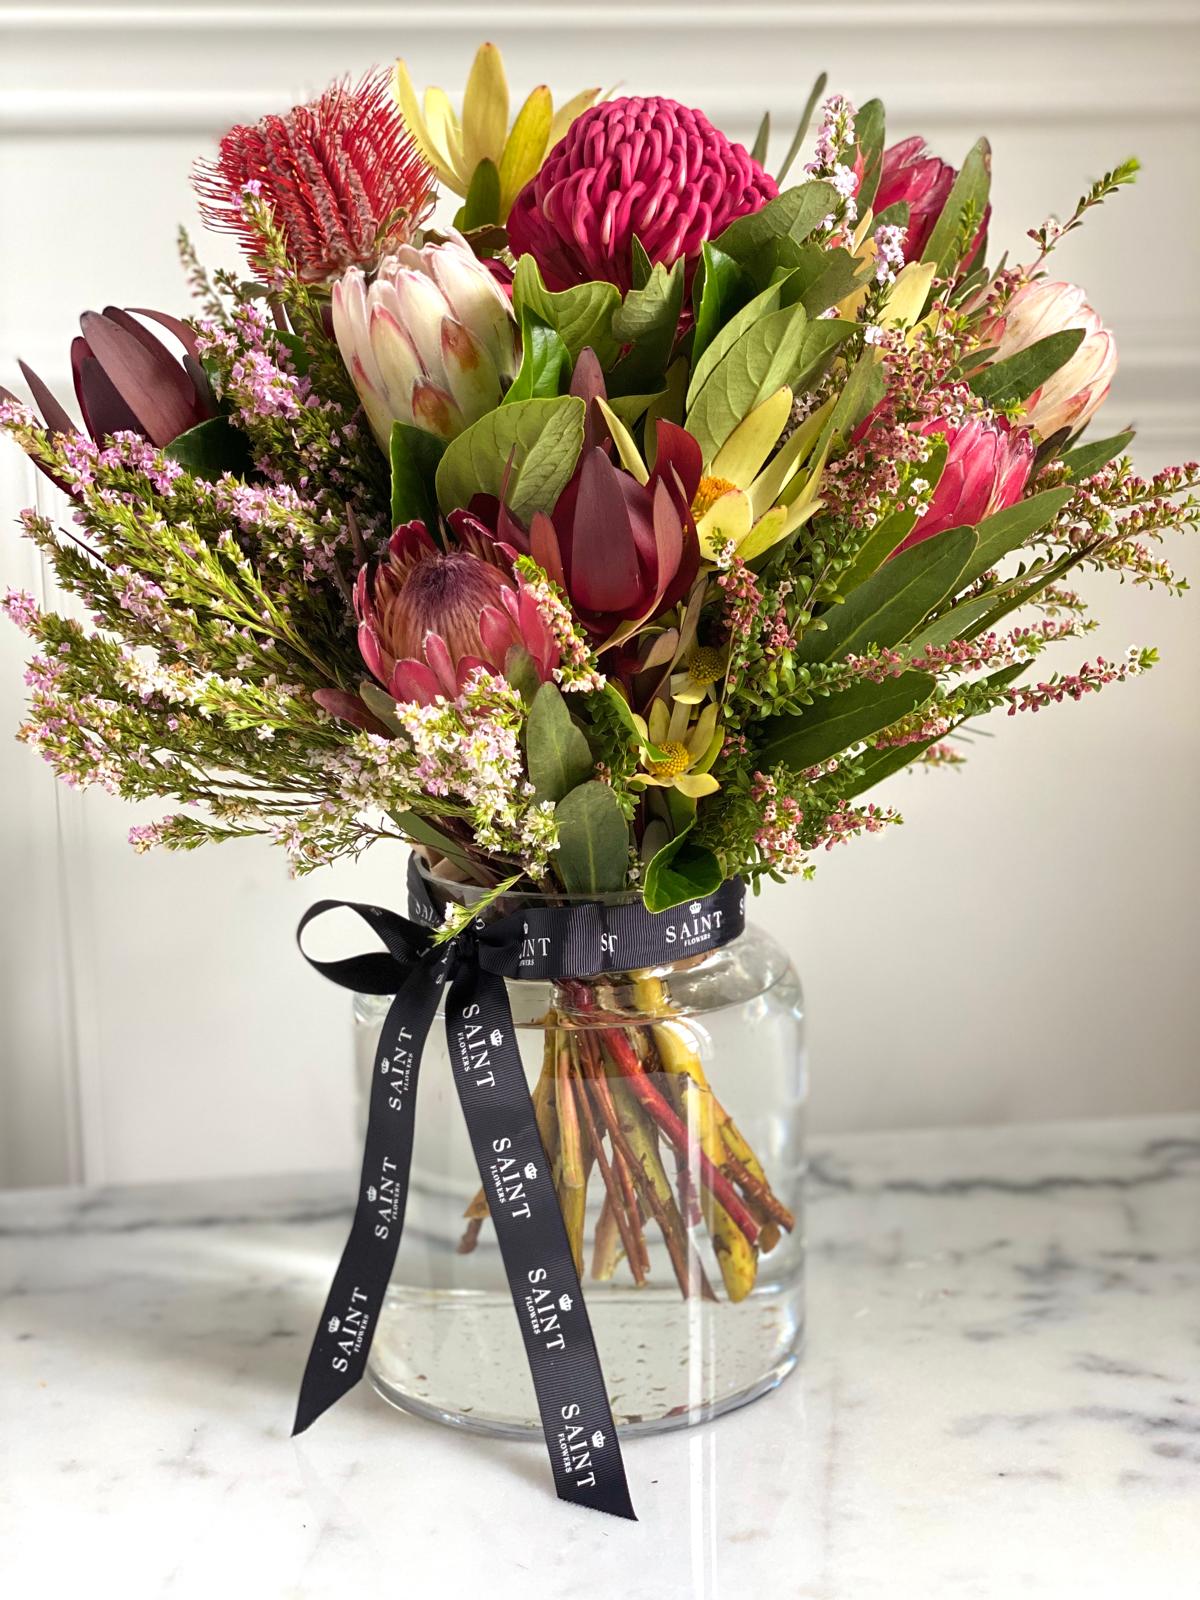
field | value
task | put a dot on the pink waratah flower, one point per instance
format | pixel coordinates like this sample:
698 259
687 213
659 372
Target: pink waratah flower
343 178
649 168
1072 395
431 341
923 182
428 618
987 467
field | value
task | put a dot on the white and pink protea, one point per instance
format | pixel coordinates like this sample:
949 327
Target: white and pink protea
1073 395
431 340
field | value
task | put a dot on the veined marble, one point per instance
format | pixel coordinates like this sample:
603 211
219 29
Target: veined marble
1000 1397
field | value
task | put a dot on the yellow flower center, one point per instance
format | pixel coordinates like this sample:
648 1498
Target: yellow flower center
709 492
675 760
706 666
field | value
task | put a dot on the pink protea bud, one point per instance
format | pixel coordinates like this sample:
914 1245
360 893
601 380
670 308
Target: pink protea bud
342 176
987 467
645 168
1072 395
431 341
923 182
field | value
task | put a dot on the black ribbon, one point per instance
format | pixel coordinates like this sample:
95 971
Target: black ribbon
548 942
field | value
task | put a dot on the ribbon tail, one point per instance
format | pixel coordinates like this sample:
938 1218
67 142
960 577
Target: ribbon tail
581 1439
338 1357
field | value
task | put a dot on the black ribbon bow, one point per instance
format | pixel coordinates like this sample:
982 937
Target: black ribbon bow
547 942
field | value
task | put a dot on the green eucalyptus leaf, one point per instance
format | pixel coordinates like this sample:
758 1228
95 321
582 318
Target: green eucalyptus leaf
1005 531
810 105
521 671
415 453
1088 458
1012 381
542 438
794 215
380 704
423 832
593 840
556 751
482 205
211 449
893 602
679 872
545 362
831 725
581 316
970 193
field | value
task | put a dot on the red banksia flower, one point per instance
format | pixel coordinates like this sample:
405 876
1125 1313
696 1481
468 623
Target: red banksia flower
342 176
428 618
649 168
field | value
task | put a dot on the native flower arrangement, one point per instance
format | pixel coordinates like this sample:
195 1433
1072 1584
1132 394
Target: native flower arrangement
623 536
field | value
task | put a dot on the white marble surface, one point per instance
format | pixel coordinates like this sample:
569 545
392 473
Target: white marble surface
1000 1397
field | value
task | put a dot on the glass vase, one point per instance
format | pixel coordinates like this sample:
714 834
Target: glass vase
670 1102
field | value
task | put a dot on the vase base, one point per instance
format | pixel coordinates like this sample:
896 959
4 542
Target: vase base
456 1359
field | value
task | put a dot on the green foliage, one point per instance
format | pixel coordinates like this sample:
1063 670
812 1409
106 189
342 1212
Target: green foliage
963 212
1007 383
717 291
582 316
593 840
534 444
415 454
755 240
545 368
869 136
482 206
832 725
211 448
810 105
894 601
556 751
647 320
1005 531
680 871
1088 458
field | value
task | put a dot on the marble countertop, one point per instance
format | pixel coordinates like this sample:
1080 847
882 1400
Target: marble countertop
1000 1397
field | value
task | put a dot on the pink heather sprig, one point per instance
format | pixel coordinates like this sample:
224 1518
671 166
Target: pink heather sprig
987 653
1090 679
778 835
848 822
260 380
835 137
889 255
146 835
19 606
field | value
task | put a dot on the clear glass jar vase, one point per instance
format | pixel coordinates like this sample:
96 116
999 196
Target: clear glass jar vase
671 1105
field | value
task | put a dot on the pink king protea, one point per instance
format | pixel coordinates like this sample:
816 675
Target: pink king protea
645 168
987 467
342 175
428 618
910 174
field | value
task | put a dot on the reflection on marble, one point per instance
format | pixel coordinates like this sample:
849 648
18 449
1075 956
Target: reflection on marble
1000 1397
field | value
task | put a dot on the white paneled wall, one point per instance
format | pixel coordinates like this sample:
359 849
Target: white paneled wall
1023 947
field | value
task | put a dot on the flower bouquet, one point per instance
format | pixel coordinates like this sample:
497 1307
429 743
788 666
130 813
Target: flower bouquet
608 544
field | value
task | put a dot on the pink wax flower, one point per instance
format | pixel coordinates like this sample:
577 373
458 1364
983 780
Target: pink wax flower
987 467
923 182
1072 395
649 168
